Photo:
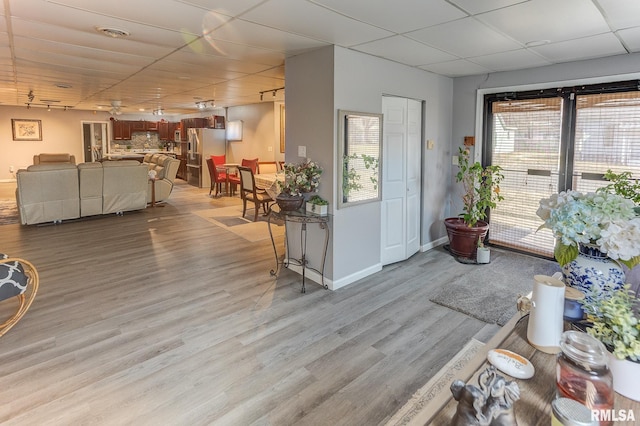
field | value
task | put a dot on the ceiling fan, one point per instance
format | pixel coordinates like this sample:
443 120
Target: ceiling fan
116 108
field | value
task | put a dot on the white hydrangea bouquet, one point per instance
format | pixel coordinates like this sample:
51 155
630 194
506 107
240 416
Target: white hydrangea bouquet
607 221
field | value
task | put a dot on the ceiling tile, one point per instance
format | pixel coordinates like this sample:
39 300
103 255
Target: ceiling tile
621 13
457 68
294 16
226 7
583 48
631 38
547 20
466 37
251 34
506 61
474 6
405 50
179 17
399 16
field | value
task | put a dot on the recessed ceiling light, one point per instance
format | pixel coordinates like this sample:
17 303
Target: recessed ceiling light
113 32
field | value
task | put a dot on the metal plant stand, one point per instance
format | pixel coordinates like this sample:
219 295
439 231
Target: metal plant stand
303 218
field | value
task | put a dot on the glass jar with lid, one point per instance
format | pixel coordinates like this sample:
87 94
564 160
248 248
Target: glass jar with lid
583 373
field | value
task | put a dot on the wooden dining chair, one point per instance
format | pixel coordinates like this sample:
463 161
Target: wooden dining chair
253 164
267 167
249 192
219 177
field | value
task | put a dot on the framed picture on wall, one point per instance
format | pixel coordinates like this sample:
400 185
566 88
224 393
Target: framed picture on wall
26 130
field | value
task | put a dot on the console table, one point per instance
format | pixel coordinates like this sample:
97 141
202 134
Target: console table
536 394
303 218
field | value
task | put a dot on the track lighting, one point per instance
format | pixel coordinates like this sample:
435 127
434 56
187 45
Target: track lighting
203 104
274 92
48 107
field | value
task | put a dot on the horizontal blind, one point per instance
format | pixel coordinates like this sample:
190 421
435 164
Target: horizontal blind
362 156
526 144
607 137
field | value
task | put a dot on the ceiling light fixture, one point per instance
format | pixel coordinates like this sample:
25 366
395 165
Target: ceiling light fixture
274 92
113 32
203 104
158 111
31 96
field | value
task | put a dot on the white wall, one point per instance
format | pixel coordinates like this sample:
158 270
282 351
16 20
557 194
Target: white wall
468 91
61 133
323 81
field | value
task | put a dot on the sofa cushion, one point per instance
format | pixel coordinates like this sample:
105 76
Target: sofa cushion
91 177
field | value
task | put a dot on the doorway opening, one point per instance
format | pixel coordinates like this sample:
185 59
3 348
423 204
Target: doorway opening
95 139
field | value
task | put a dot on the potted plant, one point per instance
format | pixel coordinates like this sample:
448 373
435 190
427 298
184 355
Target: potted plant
616 323
481 191
298 179
317 205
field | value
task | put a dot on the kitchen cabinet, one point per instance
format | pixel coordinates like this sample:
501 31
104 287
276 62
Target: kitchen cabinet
121 130
138 126
167 130
151 126
163 131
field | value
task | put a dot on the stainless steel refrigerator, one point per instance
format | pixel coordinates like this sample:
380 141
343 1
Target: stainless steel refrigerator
203 143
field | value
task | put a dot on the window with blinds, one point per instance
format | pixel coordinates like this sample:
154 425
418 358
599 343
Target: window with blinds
607 137
360 147
553 140
526 144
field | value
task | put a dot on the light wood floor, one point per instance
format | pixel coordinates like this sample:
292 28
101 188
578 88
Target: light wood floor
161 318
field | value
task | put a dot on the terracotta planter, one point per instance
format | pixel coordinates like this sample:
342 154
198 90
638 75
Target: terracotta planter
288 202
463 240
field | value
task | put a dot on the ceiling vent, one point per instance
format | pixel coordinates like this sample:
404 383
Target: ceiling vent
113 32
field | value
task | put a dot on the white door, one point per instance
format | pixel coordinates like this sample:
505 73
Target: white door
401 178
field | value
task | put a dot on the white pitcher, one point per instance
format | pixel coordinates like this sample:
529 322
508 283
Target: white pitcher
545 319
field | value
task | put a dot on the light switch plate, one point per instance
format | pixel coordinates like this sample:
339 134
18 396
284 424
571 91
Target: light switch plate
454 160
430 144
302 151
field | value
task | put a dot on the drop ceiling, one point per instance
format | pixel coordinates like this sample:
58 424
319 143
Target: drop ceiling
179 52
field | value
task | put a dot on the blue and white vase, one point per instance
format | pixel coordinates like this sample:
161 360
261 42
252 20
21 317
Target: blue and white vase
593 273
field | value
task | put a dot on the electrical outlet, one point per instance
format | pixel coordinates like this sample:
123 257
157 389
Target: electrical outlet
10 169
454 160
270 149
302 151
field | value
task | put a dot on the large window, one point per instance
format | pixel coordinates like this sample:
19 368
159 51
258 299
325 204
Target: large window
552 140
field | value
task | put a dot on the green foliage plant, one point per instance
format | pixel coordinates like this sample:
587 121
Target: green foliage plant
318 200
481 186
615 323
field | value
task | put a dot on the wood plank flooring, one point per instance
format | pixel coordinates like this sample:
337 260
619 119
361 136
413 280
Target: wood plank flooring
159 317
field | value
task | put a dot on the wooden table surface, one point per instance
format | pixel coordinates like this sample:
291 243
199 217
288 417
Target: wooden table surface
536 394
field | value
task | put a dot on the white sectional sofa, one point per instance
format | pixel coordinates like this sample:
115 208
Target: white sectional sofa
166 168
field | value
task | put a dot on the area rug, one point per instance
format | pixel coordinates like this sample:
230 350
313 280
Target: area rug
489 292
230 219
8 212
436 385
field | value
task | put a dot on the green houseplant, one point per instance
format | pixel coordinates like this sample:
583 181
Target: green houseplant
615 321
317 205
481 191
298 179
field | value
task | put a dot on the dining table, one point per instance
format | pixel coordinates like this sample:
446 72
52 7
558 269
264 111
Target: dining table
228 168
269 182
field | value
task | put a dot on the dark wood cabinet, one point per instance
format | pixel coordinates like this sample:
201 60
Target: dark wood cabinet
163 131
138 126
121 130
151 126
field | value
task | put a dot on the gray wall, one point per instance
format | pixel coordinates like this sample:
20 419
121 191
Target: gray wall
466 89
323 81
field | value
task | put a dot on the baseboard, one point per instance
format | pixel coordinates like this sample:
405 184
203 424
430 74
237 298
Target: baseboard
7 180
435 243
334 285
